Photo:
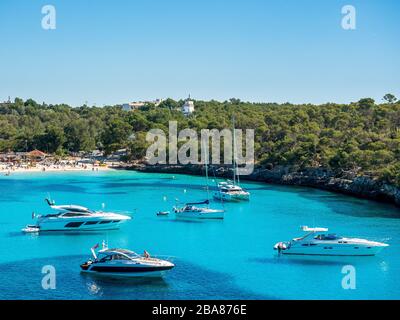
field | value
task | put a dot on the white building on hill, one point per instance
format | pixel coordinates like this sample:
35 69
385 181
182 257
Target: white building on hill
188 107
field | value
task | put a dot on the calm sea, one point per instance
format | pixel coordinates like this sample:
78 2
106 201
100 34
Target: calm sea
229 259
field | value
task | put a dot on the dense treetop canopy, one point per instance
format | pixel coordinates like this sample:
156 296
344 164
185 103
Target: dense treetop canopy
363 136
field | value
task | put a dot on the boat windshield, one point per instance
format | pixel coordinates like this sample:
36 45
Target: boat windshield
327 237
117 255
52 215
76 214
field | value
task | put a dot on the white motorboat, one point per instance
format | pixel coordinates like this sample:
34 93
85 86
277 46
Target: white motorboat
77 218
124 263
229 191
191 211
317 242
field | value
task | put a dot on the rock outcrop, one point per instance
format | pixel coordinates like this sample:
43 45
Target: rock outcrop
344 182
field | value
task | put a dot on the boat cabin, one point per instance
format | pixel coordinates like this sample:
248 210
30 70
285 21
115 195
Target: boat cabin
327 237
116 254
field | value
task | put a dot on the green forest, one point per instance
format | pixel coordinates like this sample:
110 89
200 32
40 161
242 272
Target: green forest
363 136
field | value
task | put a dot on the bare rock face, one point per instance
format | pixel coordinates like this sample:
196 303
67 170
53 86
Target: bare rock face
348 183
345 182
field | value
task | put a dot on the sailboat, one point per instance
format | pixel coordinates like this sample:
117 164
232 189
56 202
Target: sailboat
193 211
231 190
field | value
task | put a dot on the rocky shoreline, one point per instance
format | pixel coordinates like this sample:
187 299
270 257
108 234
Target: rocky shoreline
345 182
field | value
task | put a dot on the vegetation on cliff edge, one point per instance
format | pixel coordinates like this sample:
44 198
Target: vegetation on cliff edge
362 137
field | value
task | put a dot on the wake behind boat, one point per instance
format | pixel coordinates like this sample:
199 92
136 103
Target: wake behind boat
76 218
316 242
124 263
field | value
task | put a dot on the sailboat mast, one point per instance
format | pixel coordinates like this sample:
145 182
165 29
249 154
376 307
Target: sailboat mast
234 150
206 167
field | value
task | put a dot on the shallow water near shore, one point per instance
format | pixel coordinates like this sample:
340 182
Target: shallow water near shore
229 259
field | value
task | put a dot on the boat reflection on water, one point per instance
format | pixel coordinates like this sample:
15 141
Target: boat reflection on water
323 260
96 284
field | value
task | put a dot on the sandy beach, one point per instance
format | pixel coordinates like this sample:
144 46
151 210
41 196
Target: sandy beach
8 170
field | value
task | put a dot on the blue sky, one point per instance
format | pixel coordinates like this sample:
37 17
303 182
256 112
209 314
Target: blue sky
108 52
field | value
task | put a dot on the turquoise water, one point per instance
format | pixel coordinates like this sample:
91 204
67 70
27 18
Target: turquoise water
229 259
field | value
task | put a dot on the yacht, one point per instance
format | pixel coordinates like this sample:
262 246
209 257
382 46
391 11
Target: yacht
191 211
124 263
229 191
317 242
76 218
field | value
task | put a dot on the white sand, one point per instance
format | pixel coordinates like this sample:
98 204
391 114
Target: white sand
52 168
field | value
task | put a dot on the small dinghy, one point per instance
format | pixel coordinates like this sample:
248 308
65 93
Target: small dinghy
163 213
31 229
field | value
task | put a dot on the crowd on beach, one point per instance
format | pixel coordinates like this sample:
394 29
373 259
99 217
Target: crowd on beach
37 161
9 168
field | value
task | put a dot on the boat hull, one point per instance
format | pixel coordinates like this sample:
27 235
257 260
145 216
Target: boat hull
126 271
153 274
77 224
221 196
332 250
200 215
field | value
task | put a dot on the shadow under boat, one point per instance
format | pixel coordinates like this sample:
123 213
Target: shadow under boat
62 233
102 279
315 260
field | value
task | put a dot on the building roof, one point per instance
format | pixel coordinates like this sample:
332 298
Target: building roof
36 154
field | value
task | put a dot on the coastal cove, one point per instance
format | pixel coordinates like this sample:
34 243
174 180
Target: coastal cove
346 183
228 259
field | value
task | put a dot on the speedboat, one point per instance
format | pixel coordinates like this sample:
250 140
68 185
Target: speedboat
124 263
77 218
191 211
317 242
229 191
